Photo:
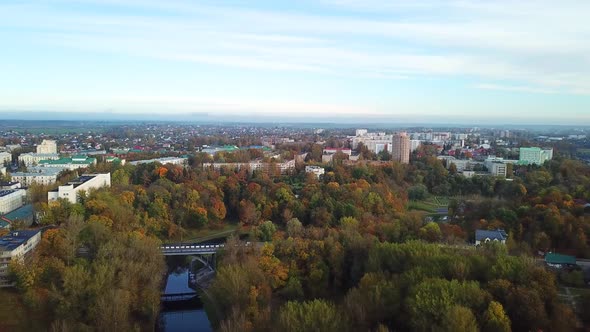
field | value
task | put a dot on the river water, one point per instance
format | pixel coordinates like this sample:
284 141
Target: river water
182 316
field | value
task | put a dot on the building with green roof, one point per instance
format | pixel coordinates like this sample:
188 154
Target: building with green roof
69 163
558 260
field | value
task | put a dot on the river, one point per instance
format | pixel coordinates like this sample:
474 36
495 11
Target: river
186 315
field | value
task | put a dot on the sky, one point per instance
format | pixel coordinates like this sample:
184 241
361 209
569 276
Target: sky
407 61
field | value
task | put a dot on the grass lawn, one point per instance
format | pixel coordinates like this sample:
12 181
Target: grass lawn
429 204
421 206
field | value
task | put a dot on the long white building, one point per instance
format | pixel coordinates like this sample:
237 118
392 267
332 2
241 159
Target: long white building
32 159
15 246
39 175
11 199
72 189
283 167
163 161
375 142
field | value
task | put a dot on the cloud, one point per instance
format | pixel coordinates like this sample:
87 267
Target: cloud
513 88
541 45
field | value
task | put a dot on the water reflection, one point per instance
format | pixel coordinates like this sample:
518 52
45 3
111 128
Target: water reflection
182 315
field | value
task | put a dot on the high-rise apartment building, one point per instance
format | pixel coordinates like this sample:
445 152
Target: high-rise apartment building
401 148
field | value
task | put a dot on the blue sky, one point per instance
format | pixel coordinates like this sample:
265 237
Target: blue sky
467 61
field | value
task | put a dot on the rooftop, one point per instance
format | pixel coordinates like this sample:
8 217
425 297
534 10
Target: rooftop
553 258
482 234
22 213
40 154
40 171
14 239
5 192
77 160
79 181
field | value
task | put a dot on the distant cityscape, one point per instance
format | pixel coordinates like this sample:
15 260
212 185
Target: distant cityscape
60 167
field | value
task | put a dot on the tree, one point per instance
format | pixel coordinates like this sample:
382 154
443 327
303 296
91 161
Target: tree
316 315
248 213
266 231
459 318
495 319
453 169
294 227
431 232
417 192
120 177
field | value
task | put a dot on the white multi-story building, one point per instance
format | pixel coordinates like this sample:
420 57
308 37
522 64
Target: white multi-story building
5 158
15 246
335 150
361 132
375 142
414 144
328 153
496 168
461 165
39 175
11 199
12 147
535 155
32 159
47 147
316 170
283 167
401 148
73 189
10 185
163 161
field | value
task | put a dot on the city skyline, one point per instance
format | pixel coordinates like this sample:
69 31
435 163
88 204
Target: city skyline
418 61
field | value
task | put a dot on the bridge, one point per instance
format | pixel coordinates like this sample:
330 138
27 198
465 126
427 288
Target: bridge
187 249
174 297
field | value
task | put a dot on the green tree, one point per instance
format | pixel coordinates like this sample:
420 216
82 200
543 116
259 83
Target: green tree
266 230
417 192
495 319
458 318
431 232
316 315
294 227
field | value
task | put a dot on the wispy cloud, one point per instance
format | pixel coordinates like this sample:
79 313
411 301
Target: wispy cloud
514 88
541 45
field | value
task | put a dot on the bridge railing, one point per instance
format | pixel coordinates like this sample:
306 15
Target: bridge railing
207 247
